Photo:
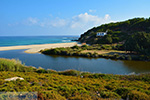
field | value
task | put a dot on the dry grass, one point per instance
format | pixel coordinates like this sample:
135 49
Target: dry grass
105 51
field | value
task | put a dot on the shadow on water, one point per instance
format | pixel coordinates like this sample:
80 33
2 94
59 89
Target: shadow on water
94 65
138 66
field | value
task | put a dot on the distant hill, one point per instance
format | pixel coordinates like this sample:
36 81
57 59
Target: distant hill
117 32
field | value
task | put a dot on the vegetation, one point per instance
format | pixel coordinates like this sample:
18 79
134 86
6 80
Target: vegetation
133 33
113 51
74 85
138 42
132 36
14 66
117 32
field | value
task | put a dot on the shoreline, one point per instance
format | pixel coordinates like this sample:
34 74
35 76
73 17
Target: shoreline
37 48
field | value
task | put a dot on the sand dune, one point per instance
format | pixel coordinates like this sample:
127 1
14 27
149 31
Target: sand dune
37 48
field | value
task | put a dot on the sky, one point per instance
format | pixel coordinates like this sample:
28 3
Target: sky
65 17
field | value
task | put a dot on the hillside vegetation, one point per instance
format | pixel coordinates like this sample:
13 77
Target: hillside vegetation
133 33
117 32
72 84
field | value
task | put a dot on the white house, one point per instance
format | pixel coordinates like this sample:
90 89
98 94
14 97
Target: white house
101 33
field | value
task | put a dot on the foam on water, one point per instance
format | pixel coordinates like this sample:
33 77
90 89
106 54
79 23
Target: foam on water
29 40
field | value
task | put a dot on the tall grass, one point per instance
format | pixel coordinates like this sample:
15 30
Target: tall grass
13 65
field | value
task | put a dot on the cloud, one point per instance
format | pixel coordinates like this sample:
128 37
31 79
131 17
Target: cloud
33 20
58 22
83 20
107 17
30 21
92 11
14 24
75 24
86 20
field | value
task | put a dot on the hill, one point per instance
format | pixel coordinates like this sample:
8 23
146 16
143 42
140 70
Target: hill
117 32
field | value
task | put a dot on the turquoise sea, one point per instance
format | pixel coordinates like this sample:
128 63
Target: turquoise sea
61 63
29 40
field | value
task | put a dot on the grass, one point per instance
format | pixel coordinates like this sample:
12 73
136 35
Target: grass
75 85
14 65
56 86
108 52
112 51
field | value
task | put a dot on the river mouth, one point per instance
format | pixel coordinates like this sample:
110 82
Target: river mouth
93 65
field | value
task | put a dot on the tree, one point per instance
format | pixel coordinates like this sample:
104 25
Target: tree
108 39
138 42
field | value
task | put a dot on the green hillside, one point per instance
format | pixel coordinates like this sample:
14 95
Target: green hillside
117 32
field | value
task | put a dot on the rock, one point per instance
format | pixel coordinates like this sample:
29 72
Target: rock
14 79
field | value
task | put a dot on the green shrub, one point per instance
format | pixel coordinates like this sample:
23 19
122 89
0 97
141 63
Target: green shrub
116 56
1 81
104 76
137 95
123 92
84 47
129 57
51 95
80 97
70 72
42 71
75 47
13 65
51 71
112 95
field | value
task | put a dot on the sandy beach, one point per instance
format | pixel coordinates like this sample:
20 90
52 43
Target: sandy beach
37 48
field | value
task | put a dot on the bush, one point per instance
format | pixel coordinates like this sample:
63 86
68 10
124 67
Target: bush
70 72
51 95
75 47
13 65
104 76
80 97
116 56
123 92
138 42
1 81
112 95
42 71
106 47
51 71
129 57
84 47
137 95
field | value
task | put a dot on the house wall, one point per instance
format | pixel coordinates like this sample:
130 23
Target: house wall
101 34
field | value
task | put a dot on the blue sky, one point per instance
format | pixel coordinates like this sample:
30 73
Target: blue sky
65 17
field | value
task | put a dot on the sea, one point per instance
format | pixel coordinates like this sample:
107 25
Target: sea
31 40
61 63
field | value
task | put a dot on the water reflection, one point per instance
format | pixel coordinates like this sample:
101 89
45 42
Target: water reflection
138 66
94 65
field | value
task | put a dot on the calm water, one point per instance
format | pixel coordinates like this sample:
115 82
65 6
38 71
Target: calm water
28 40
60 63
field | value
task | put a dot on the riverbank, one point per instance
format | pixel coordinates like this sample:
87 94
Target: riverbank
101 65
72 84
37 48
97 51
